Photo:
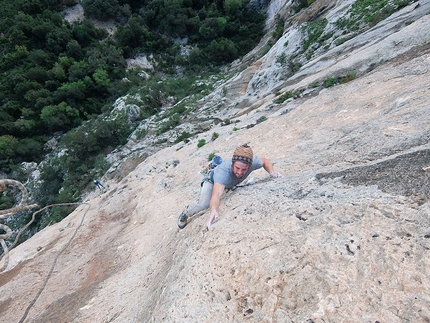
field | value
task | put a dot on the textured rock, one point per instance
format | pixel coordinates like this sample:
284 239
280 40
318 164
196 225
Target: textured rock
343 237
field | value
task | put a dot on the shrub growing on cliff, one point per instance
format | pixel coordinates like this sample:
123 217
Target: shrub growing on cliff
201 143
285 96
364 14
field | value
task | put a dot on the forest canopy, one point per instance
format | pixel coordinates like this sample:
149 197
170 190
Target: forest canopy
56 74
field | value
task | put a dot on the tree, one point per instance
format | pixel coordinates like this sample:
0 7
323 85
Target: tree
212 28
221 51
29 149
233 6
7 151
58 39
101 77
78 70
101 9
60 116
74 49
73 93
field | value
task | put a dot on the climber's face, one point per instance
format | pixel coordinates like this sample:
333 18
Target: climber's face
239 169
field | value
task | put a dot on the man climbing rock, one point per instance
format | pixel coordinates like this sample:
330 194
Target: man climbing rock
227 175
100 186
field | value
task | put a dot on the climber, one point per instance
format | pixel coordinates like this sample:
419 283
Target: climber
225 176
99 185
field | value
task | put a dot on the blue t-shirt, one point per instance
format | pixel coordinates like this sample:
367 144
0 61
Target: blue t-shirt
223 173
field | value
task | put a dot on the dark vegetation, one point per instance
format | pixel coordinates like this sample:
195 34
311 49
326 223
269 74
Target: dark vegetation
57 78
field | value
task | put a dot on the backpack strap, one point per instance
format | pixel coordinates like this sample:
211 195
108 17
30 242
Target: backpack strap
209 178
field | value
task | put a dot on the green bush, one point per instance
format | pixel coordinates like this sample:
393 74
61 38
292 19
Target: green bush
279 29
285 96
332 81
364 14
314 30
261 119
183 136
201 143
59 117
281 59
221 51
349 77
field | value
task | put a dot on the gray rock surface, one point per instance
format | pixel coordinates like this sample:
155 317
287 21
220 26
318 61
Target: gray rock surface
343 237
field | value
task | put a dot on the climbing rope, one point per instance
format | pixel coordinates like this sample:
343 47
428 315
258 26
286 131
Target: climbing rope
8 232
8 212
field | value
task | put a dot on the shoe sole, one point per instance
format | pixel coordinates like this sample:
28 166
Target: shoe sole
182 225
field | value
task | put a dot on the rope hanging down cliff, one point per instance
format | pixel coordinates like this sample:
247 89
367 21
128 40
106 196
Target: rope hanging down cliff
8 212
22 206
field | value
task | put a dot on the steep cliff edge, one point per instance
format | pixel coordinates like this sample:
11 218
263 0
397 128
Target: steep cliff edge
343 237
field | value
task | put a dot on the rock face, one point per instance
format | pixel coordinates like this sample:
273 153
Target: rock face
343 237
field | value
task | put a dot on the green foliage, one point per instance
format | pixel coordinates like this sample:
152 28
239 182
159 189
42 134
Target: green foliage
14 150
314 30
53 74
285 96
279 29
232 25
101 9
59 76
101 78
7 151
201 143
222 51
66 176
140 134
364 14
6 201
96 135
183 136
211 156
282 59
293 65
341 40
59 116
349 77
69 3
261 119
212 28
301 4
135 37
332 81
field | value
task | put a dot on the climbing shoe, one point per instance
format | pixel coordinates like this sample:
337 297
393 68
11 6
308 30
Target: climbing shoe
182 220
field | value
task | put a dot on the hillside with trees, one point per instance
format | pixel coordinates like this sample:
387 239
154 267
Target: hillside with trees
57 77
